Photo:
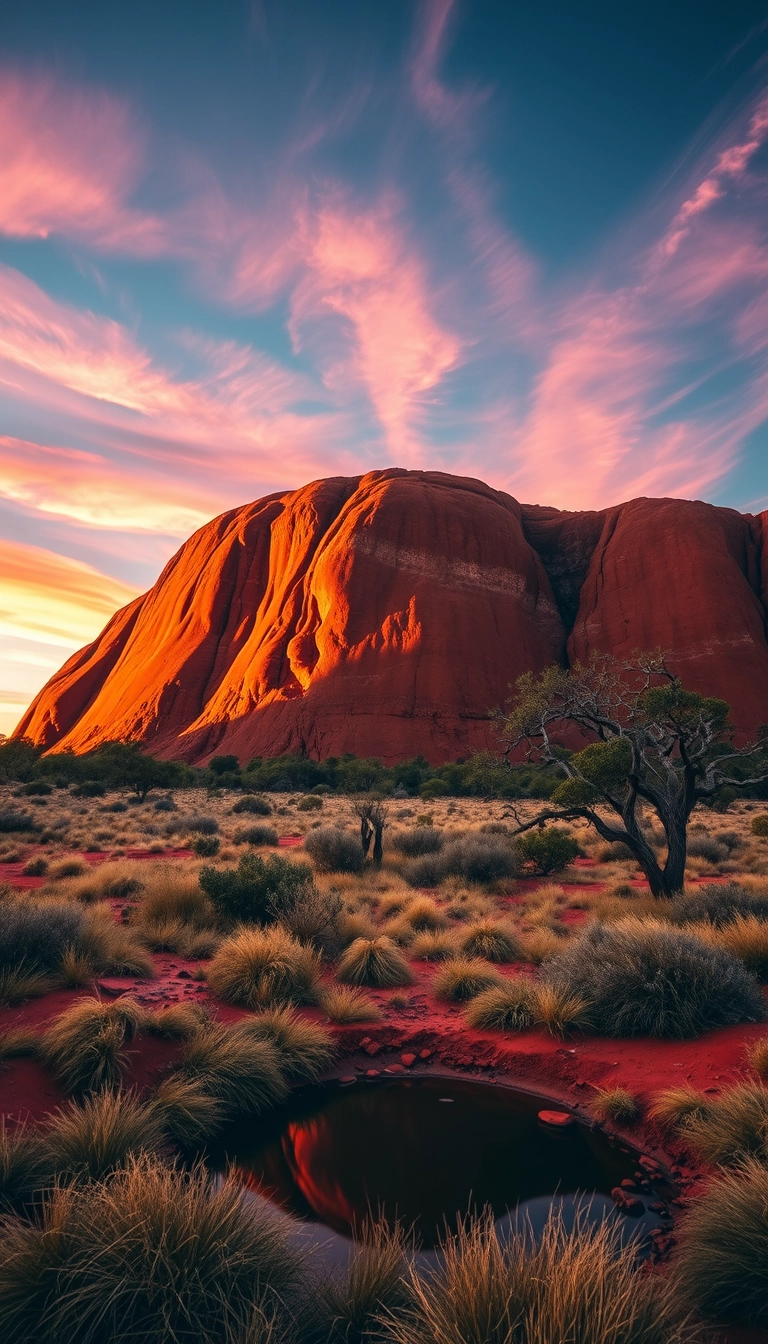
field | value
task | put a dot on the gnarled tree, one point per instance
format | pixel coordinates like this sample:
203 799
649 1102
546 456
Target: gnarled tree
651 744
372 813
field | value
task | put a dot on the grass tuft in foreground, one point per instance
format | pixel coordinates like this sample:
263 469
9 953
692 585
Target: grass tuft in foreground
464 978
304 1048
373 1287
615 1106
241 1072
260 967
89 1139
345 1005
722 1263
85 1045
373 961
507 1007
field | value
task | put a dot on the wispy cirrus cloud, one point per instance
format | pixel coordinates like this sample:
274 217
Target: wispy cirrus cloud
53 600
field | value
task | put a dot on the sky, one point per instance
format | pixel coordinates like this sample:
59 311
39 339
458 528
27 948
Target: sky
248 243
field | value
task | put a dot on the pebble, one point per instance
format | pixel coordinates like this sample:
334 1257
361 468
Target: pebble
557 1119
372 1073
408 1060
425 1054
347 1079
395 1068
627 1203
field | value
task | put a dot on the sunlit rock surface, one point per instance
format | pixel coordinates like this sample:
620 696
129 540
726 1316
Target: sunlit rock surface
384 614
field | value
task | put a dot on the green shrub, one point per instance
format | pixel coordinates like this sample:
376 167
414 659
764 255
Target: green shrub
377 962
260 967
721 1267
202 825
256 890
311 802
12 821
550 849
154 1254
260 834
206 846
643 978
335 851
259 807
759 824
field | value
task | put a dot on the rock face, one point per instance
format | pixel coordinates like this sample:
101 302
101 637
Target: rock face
384 615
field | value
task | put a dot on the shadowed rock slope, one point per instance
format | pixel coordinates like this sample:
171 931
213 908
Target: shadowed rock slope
384 614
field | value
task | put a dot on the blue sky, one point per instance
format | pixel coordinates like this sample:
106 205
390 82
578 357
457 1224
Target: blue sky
245 245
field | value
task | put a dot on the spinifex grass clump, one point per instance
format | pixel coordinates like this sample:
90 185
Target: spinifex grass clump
260 967
722 1265
507 1007
304 1048
491 939
344 1005
733 1126
576 1285
25 1165
85 1045
153 1254
89 1139
644 978
373 1289
240 1071
464 978
335 851
717 903
615 1105
374 961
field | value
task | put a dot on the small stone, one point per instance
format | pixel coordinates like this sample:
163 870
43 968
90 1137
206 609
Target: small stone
183 975
371 1048
408 1060
626 1184
557 1119
425 1054
372 1073
648 1164
627 1203
395 1068
347 1079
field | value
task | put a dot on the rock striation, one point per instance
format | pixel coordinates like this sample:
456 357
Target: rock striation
384 614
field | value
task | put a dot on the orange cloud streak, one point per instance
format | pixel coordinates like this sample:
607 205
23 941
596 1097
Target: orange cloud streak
50 599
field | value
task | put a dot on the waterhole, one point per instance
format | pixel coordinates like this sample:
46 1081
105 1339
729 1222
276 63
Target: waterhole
426 1151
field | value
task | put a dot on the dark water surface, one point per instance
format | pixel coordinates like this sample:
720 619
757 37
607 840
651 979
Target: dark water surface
421 1149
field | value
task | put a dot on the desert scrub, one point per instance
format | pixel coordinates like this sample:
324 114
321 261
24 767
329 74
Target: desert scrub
418 840
464 978
733 1126
507 1007
177 1022
718 904
373 961
87 1140
335 851
257 889
187 1113
85 1046
757 1057
615 1106
677 1107
578 1284
721 1268
36 933
491 939
438 946
258 807
645 978
746 938
479 859
153 1254
259 967
538 945
346 1005
240 1071
260 834
25 1165
423 915
304 1048
550 849
559 1011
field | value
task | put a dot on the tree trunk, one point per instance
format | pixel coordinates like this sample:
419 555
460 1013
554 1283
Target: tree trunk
366 835
378 848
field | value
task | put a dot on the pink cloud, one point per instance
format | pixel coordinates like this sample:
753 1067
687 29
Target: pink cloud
69 160
50 599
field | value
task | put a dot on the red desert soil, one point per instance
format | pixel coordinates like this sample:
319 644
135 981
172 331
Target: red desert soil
384 614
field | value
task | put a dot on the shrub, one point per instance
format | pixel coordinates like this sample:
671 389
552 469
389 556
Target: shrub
117 806
428 871
174 895
37 932
343 1005
479 858
759 824
257 967
311 802
155 1254
507 1007
69 868
335 851
464 978
490 939
575 1284
374 961
559 1011
643 978
549 849
260 834
733 1126
615 1105
12 821
538 945
21 982
717 903
87 1140
165 805
304 1048
177 1022
706 847
256 890
202 825
722 1263
37 788
259 807
84 1046
417 841
241 1072
747 939
206 846
90 788
437 946
422 914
